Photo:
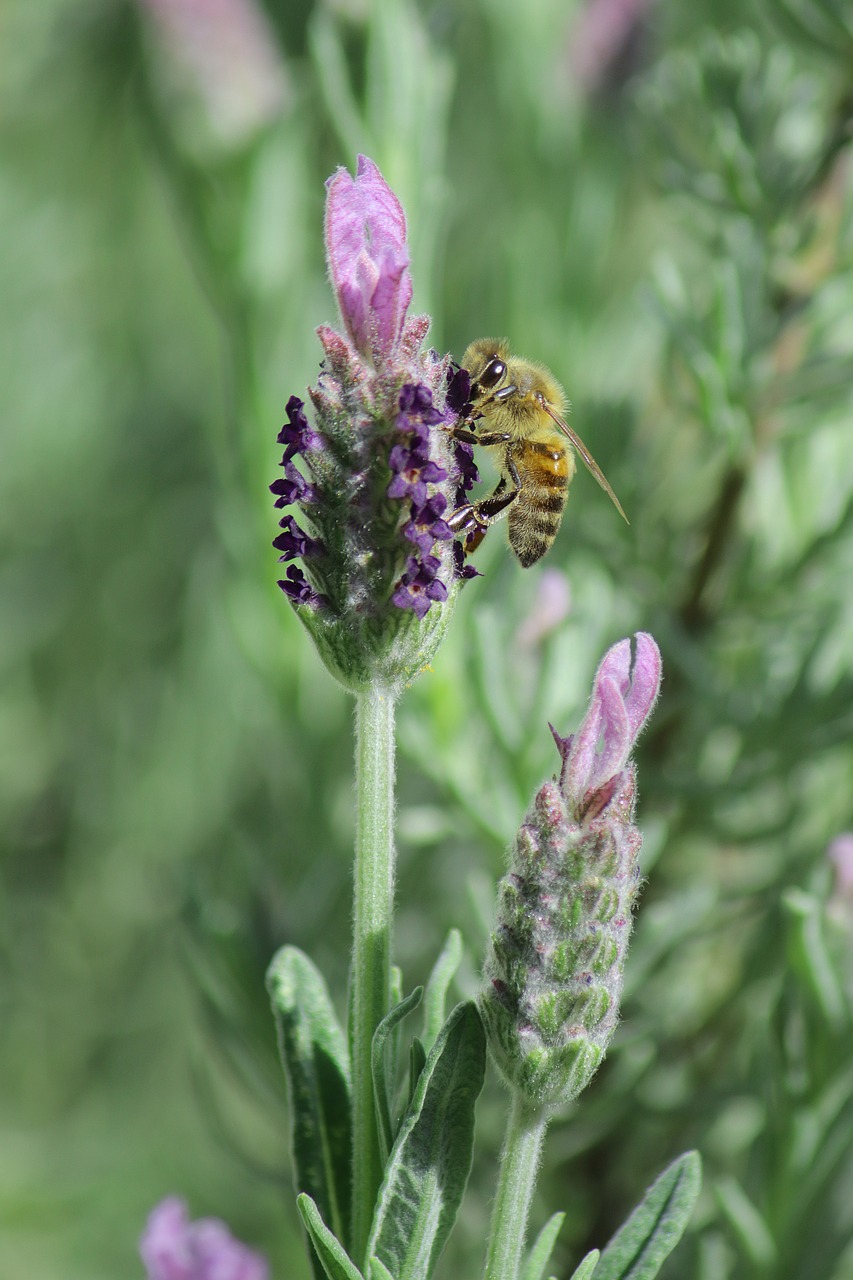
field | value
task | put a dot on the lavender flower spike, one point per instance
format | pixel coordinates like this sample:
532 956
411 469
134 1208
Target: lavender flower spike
368 258
173 1248
371 478
555 962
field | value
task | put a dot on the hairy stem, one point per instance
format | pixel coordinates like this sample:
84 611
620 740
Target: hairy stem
371 956
519 1167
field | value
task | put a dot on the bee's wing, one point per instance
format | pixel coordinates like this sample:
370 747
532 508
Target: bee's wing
590 462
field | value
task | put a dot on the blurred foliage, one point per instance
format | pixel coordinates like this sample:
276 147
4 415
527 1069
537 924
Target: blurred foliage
675 241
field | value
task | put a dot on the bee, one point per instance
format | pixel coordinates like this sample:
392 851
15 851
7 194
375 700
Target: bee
521 406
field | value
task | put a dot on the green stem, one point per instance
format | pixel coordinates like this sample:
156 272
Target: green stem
519 1166
371 958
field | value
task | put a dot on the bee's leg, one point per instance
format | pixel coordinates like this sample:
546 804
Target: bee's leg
467 436
475 517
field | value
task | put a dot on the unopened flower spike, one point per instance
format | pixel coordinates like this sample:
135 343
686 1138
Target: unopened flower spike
555 962
373 570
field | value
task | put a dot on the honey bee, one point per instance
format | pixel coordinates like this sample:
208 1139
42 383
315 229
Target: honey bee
522 409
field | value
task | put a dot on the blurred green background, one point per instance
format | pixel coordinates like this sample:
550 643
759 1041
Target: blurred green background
653 200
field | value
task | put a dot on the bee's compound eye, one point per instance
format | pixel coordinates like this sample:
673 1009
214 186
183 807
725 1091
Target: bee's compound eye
492 374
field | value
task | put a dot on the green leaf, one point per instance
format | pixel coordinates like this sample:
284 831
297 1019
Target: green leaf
586 1267
417 1062
543 1247
429 1165
384 1071
330 65
641 1244
443 973
747 1224
316 1064
332 1256
377 1270
810 956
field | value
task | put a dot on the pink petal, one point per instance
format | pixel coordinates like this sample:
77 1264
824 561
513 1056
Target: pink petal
368 258
621 702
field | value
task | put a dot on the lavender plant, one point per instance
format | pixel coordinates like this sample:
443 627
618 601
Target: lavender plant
379 1187
177 762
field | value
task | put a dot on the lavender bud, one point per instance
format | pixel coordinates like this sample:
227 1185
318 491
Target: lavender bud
372 479
555 962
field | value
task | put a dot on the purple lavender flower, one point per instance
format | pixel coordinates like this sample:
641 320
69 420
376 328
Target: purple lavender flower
294 542
411 463
173 1248
427 525
459 392
296 433
298 589
292 487
378 472
416 406
555 961
463 570
419 585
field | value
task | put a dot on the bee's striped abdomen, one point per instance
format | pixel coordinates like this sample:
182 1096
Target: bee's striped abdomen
534 518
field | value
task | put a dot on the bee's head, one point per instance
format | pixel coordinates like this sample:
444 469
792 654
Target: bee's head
486 362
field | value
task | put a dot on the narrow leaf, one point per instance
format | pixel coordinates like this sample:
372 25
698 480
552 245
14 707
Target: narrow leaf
392 1049
429 1165
641 1244
417 1062
443 973
747 1223
586 1267
333 1257
543 1247
377 1270
810 956
385 1072
316 1064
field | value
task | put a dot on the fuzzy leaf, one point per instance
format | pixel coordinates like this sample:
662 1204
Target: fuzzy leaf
384 1072
335 1261
543 1247
443 973
314 1052
417 1062
429 1165
377 1270
641 1244
586 1267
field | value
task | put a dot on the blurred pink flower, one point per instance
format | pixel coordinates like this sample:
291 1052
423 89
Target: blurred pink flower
225 53
603 33
551 605
840 854
173 1248
368 258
